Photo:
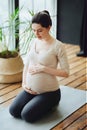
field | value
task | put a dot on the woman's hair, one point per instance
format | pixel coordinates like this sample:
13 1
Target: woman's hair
43 18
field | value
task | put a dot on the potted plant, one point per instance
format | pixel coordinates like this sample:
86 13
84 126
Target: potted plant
11 63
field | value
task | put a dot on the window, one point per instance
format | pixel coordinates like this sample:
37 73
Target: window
8 7
4 13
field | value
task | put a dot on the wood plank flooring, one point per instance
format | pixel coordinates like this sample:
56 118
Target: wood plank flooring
77 79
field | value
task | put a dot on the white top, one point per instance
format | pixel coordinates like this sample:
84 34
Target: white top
43 82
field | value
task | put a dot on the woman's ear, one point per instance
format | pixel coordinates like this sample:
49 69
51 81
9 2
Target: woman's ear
49 28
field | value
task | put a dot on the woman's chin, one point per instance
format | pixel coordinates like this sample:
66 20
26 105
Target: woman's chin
39 37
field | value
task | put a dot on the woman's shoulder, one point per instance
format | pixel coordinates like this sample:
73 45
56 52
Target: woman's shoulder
59 47
58 44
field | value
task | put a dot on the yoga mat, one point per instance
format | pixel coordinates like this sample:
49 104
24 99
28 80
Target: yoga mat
71 100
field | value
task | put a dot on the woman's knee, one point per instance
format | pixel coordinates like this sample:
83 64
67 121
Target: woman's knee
13 110
28 116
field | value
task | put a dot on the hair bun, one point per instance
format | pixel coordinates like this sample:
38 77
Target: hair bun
46 12
43 18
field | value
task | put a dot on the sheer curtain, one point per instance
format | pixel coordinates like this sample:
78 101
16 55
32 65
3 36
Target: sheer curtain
11 39
3 17
3 11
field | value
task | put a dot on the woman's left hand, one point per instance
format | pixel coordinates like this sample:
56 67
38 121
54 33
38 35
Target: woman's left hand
30 91
37 68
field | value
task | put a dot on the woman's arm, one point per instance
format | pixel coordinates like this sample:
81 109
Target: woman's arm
41 68
24 76
25 69
56 72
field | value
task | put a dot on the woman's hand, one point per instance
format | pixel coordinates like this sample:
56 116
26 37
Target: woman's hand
30 91
37 68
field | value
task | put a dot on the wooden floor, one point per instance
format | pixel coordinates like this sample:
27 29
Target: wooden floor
77 79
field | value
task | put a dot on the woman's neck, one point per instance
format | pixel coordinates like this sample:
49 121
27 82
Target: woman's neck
48 40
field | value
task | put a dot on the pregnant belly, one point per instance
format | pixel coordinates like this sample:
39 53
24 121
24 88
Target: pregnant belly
41 82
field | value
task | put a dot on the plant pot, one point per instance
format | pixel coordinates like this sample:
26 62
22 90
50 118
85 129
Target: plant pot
11 69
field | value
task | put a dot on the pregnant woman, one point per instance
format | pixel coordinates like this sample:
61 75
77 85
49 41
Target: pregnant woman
41 92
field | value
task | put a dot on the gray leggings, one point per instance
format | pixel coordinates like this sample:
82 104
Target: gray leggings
33 107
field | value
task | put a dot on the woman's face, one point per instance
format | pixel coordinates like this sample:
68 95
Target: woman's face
39 31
